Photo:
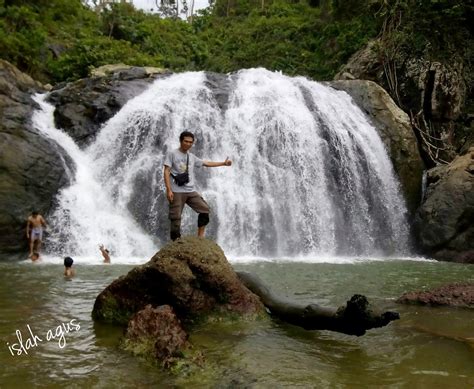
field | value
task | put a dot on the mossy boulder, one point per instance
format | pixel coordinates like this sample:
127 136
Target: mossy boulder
191 275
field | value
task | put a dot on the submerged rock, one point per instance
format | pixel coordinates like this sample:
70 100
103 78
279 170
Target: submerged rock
454 295
156 332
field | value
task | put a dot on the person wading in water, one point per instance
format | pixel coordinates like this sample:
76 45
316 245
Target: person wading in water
179 165
34 231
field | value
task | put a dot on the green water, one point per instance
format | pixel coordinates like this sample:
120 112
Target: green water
428 347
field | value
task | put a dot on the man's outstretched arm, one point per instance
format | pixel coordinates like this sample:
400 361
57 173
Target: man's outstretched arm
227 162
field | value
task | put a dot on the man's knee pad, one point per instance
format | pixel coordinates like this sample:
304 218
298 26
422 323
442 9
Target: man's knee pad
203 219
175 235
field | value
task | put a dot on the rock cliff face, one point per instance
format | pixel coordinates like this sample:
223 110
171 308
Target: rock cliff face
394 127
445 220
434 91
440 100
84 105
31 166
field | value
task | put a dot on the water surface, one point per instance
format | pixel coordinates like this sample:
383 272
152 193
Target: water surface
428 347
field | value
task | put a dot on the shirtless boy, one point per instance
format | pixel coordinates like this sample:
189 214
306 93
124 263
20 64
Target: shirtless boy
105 253
34 231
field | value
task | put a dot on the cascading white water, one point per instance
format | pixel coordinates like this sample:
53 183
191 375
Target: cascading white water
313 176
310 175
86 215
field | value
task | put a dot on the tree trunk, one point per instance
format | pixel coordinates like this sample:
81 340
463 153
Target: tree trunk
355 318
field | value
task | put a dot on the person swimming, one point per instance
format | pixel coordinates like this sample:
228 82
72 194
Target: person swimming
68 270
105 253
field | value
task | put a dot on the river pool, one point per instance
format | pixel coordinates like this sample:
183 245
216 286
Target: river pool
428 347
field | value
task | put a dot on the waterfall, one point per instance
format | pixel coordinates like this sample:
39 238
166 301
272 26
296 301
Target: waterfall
86 214
311 176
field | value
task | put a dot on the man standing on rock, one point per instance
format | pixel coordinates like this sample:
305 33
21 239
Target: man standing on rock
34 231
180 164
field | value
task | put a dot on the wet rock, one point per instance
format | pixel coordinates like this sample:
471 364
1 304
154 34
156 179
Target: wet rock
394 127
32 167
191 275
445 220
219 85
454 295
82 107
156 332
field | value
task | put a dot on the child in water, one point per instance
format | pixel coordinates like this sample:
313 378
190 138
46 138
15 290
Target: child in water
35 257
105 253
68 270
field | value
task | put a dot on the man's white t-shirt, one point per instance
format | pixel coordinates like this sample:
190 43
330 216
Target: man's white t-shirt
176 160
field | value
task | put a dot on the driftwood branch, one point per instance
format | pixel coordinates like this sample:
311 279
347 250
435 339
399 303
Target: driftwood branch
355 318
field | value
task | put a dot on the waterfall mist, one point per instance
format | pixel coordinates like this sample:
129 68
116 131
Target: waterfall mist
310 175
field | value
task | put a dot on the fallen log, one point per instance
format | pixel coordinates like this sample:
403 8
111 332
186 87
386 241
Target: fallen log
355 318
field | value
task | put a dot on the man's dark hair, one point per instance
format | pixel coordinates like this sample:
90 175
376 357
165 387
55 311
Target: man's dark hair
68 261
185 134
34 213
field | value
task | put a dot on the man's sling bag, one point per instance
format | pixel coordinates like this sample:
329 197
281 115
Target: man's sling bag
182 178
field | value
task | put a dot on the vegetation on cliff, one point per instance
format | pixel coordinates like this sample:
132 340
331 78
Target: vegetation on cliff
58 40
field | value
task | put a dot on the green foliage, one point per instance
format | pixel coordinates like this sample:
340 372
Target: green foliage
291 37
94 52
57 40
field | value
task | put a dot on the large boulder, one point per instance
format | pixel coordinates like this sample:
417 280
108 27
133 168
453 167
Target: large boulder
445 220
394 127
32 167
83 106
191 275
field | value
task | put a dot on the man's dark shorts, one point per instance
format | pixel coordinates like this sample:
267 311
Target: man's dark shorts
193 199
